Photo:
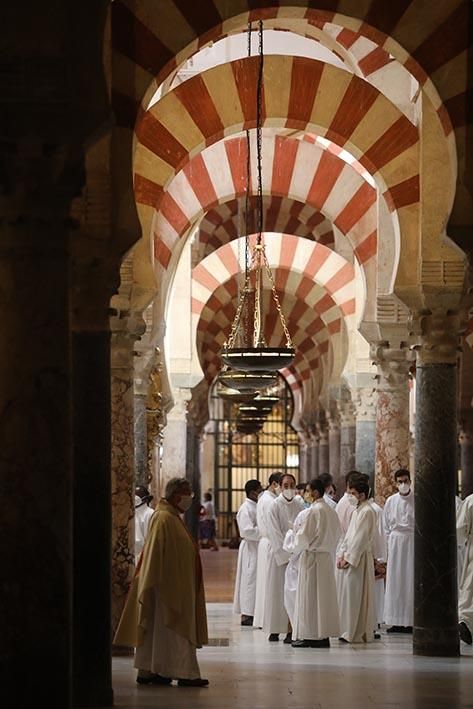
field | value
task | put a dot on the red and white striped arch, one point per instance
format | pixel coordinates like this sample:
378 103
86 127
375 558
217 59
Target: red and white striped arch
322 181
317 97
316 287
280 214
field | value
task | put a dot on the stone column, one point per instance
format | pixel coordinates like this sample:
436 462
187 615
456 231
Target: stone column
392 418
314 454
140 435
435 604
365 410
347 443
304 456
155 422
466 451
175 438
323 458
334 447
35 396
123 466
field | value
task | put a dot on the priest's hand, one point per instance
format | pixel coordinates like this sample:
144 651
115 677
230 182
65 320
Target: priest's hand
342 564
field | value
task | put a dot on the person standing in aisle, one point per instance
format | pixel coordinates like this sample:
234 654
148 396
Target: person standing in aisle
399 523
465 601
245 581
265 501
281 516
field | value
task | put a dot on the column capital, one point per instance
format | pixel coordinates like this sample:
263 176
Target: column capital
347 413
393 365
365 403
181 397
437 334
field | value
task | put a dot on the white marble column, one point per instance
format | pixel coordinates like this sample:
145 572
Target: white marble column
365 413
347 442
175 438
323 458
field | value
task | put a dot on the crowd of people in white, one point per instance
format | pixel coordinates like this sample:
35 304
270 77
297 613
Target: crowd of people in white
312 569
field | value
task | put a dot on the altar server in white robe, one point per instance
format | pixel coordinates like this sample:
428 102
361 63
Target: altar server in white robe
292 568
281 516
344 509
465 601
264 503
245 581
399 521
316 616
356 568
379 551
461 545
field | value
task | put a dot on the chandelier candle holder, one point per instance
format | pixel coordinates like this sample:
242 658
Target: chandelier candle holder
254 354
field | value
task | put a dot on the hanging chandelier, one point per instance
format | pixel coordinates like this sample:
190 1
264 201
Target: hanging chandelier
246 349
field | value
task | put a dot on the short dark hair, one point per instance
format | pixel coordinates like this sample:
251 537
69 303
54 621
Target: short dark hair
355 476
361 487
287 475
252 486
301 486
207 496
143 492
275 478
401 472
326 479
317 484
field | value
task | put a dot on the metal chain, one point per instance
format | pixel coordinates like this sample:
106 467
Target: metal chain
276 300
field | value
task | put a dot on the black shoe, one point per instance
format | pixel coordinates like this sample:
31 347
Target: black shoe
288 639
407 629
377 636
274 638
247 620
465 633
342 640
395 629
198 682
301 643
153 679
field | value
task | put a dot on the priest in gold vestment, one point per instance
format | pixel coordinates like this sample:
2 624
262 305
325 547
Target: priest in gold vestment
164 616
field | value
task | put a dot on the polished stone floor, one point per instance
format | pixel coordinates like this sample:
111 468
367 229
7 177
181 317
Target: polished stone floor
246 671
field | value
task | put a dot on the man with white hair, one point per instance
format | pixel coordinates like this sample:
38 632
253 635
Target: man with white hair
164 616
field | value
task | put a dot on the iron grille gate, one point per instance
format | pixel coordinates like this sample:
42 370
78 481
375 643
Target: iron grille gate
240 457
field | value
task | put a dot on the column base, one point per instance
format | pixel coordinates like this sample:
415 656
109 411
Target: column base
436 642
101 697
122 651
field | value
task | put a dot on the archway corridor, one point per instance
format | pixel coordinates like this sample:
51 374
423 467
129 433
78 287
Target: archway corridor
153 153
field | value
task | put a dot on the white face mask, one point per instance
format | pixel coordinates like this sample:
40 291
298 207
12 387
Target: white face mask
353 500
404 488
289 494
185 503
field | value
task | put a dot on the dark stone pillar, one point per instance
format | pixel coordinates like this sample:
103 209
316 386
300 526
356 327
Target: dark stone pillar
435 604
365 444
324 460
92 686
193 475
334 449
141 448
35 457
466 452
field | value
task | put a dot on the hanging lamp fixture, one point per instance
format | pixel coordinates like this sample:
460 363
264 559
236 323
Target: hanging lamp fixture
254 354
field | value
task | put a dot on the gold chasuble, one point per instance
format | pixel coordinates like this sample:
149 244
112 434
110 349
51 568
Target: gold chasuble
170 563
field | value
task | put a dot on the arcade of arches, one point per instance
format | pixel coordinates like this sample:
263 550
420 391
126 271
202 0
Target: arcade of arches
124 182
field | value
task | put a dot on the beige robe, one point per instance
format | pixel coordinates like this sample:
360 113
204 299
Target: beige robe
164 615
356 598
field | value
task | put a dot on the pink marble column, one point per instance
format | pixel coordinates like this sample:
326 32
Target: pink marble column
392 418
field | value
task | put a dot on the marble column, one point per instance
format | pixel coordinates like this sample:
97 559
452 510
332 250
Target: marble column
123 460
435 587
323 458
314 455
466 451
175 438
365 411
334 448
140 436
155 422
347 443
392 418
304 456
